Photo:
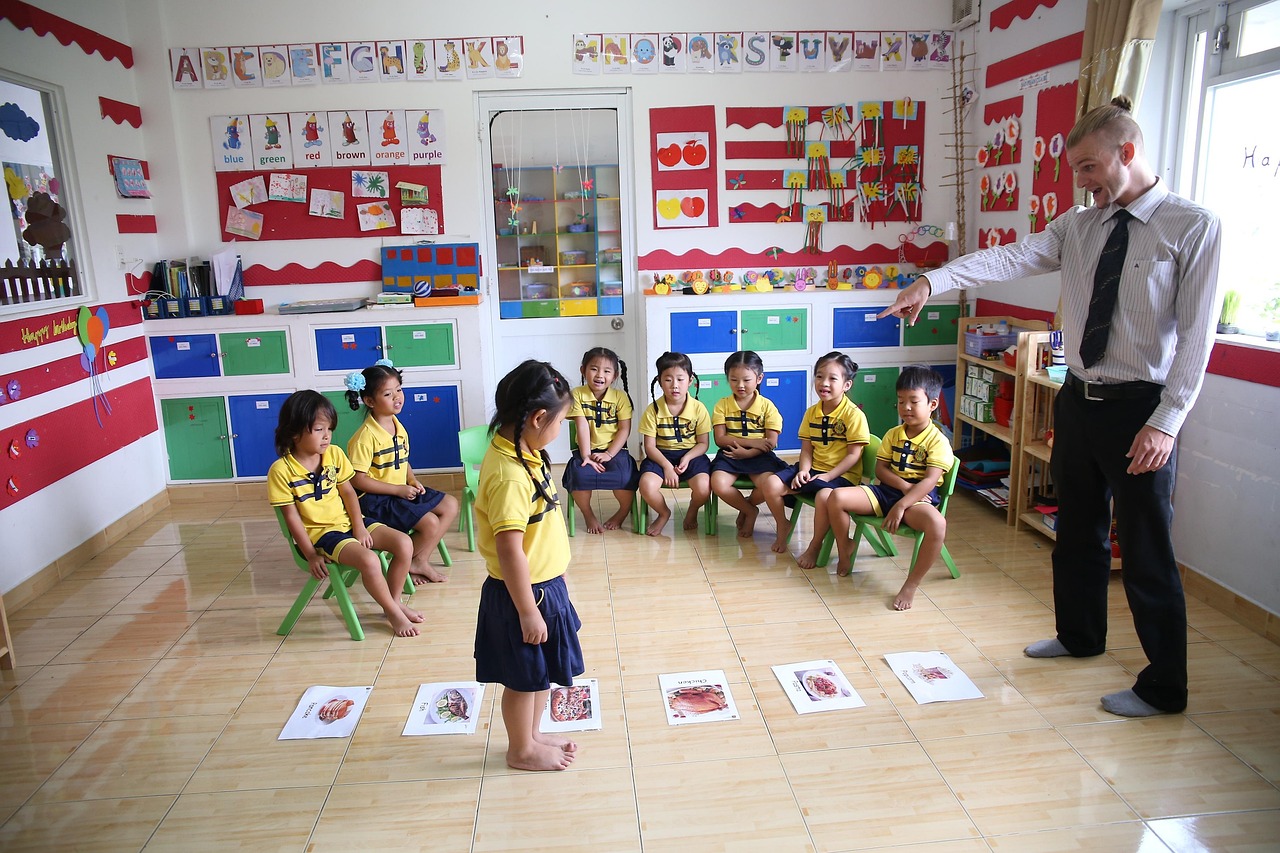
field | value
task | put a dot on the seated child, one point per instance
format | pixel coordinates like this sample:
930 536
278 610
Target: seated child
601 420
311 483
677 433
384 481
912 460
746 427
832 437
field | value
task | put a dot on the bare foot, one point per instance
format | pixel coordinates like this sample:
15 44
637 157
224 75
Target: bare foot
411 614
560 742
655 526
593 525
843 567
906 596
540 756
779 545
401 626
748 526
808 558
742 516
691 520
614 521
425 573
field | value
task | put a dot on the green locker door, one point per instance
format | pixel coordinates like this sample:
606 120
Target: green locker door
712 388
195 433
873 391
254 353
937 326
348 421
421 345
775 330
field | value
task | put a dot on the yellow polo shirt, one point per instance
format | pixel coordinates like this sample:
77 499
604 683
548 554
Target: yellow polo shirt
751 422
507 500
316 494
830 435
910 459
378 453
603 415
675 432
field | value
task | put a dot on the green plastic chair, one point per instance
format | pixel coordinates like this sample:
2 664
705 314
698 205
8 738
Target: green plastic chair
340 579
713 505
566 500
641 520
869 525
472 444
879 541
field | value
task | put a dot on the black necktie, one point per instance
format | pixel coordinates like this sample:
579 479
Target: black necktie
1106 286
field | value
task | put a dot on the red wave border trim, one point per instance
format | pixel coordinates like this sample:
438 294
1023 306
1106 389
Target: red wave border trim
1003 16
24 16
1057 52
258 275
120 112
875 253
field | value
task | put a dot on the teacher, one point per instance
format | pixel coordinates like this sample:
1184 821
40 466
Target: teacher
1139 296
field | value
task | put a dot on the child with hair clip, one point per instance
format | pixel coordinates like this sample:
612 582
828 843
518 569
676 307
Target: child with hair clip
311 483
527 629
601 416
746 427
677 431
832 436
384 481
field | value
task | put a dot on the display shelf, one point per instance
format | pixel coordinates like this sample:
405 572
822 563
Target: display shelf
1035 520
1035 395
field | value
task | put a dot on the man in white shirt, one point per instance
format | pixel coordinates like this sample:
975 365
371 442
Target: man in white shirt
1139 284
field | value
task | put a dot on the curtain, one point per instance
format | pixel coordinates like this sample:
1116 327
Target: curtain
1118 39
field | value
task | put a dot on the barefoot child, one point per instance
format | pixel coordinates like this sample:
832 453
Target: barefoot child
384 480
746 427
311 483
601 416
832 437
912 460
527 630
677 433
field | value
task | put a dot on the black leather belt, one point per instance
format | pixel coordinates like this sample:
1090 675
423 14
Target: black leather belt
1112 391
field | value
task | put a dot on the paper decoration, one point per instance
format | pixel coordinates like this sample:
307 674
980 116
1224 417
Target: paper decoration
311 141
918 50
246 67
812 48
448 60
682 151
304 65
362 59
349 138
817 685
700 58
215 67
782 52
573 709
232 148
391 61
684 168
479 58
326 712
419 220
91 329
375 216
250 191
839 51
645 56
681 208
183 62
275 65
129 178
287 187
866 51
932 677
271 148
697 697
369 184
420 60
755 51
327 203
334 67
445 708
893 51
243 223
508 56
425 143
729 53
671 52
940 49
585 53
388 137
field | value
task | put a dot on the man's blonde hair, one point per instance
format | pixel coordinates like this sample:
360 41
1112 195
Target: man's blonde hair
1114 121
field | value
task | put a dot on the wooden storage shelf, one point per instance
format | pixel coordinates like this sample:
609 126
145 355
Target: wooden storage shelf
6 641
1035 395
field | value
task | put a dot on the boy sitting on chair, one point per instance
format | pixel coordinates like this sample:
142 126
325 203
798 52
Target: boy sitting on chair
912 460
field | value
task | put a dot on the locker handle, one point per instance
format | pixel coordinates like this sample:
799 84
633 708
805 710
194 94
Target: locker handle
222 438
235 435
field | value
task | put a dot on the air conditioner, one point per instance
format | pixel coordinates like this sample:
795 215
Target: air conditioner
964 13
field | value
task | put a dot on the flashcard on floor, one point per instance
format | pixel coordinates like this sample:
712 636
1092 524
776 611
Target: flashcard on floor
932 677
573 709
817 685
697 697
445 708
326 712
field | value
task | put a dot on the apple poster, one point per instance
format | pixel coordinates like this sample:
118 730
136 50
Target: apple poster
679 152
681 208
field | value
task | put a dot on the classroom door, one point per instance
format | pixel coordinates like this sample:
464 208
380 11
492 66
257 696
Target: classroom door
560 238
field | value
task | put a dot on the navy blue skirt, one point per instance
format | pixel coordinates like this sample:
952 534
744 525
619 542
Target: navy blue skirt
397 512
765 463
619 473
699 465
502 655
813 486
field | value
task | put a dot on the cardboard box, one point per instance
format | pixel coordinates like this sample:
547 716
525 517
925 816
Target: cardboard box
977 410
977 371
983 390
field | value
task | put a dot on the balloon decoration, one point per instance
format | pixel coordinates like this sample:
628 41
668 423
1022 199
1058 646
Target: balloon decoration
92 328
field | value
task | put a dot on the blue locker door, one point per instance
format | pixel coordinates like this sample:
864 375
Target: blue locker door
348 347
858 327
183 356
431 417
789 391
253 427
704 331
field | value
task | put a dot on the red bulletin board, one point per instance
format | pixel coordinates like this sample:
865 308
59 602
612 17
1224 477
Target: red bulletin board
686 120
1055 115
287 220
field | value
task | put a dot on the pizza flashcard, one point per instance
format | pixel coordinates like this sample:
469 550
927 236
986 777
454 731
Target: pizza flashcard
573 709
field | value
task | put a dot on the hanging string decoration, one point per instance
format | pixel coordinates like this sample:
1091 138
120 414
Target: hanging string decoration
511 156
814 217
872 114
837 119
869 192
818 162
796 181
795 120
91 329
840 210
907 194
581 153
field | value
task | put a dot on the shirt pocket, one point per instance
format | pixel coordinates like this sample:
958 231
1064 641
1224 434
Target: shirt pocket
1147 287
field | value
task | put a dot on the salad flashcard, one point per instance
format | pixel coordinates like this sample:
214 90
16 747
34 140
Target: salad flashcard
445 708
326 712
817 685
697 697
932 677
573 709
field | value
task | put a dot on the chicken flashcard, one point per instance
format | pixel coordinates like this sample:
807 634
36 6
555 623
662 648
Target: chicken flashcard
645 57
388 137
362 59
287 187
326 712
811 51
329 204
334 67
426 141
375 215
573 709
932 677
449 59
866 50
232 149
311 142
304 65
817 685
349 138
271 145
893 51
445 708
839 51
391 59
246 67
275 65
420 62
671 53
184 64
215 67
243 223
615 53
369 184
586 53
783 52
508 56
250 191
478 57
728 53
697 697
700 58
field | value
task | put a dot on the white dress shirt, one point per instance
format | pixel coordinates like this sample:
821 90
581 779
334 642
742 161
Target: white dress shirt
1162 329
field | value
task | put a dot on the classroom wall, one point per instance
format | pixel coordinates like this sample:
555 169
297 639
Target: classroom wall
39 526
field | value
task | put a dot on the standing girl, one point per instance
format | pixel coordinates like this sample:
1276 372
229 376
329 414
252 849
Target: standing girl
832 437
311 483
746 426
384 480
677 432
527 631
601 416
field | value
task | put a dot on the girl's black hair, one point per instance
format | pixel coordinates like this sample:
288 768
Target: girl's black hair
299 411
619 366
666 361
848 365
749 359
532 386
374 378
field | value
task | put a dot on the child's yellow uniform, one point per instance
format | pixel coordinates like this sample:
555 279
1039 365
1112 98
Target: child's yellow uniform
675 432
603 415
912 458
751 422
829 436
506 500
378 453
316 495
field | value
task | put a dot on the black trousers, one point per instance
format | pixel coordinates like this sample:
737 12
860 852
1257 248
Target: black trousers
1091 439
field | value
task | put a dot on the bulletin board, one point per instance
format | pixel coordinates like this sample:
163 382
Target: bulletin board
287 220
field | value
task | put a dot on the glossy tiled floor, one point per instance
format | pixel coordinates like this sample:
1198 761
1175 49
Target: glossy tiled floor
153 686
